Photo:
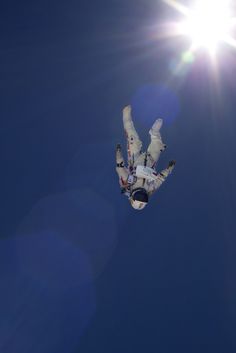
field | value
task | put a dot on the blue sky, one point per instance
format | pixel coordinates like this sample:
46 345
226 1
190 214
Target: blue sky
82 271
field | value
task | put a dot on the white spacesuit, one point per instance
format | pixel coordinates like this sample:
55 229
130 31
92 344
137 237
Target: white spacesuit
140 180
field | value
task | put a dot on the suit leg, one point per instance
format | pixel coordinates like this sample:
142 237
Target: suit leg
156 146
134 144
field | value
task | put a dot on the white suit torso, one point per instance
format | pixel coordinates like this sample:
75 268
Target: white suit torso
149 185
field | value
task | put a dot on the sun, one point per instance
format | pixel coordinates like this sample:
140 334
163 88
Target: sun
207 23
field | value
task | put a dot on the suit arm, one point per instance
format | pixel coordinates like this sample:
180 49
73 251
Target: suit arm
120 168
161 177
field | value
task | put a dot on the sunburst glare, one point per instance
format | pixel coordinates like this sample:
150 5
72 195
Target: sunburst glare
207 23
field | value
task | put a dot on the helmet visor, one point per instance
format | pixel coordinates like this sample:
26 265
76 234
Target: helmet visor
140 195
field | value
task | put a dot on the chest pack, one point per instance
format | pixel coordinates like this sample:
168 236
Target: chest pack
145 173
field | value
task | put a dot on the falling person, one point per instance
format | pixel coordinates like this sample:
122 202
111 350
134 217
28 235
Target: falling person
140 179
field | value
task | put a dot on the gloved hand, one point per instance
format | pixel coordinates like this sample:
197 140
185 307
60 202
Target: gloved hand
118 147
171 164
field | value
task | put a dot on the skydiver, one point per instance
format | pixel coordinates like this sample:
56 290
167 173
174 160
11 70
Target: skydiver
140 180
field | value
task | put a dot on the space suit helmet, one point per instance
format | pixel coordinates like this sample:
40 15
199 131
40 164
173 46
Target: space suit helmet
139 198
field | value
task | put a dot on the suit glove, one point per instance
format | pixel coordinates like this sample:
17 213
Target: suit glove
171 164
118 147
